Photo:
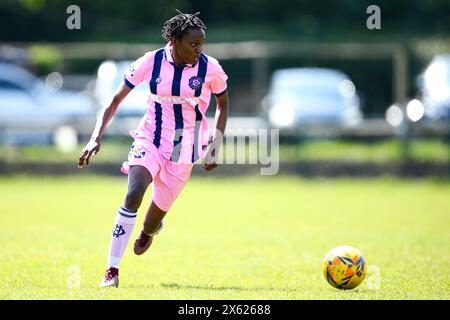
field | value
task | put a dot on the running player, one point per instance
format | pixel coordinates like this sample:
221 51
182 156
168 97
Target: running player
171 136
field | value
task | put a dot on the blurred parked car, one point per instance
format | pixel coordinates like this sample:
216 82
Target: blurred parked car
434 88
303 96
33 113
109 76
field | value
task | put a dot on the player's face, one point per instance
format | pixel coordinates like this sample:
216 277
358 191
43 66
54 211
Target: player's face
187 50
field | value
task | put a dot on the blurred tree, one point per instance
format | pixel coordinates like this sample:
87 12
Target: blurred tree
33 20
32 5
45 57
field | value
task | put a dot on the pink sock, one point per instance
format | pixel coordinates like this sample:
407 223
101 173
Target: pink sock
125 221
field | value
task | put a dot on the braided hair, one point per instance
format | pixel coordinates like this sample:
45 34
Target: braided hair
179 25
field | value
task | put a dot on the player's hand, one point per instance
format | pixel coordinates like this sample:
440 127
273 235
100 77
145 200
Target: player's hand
90 150
210 161
209 166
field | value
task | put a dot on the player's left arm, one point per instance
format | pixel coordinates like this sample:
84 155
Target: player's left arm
221 118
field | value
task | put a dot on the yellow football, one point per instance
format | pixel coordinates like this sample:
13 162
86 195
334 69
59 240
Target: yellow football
344 267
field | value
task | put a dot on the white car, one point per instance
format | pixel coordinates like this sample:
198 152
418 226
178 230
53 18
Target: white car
303 96
109 77
434 88
33 113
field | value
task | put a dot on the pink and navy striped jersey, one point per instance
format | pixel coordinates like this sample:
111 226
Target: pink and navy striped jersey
179 97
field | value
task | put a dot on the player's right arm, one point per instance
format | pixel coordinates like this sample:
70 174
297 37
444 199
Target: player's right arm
137 72
105 115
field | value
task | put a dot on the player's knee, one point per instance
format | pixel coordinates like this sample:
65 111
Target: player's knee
134 196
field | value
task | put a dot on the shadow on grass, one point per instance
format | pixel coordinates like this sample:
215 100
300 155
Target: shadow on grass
224 288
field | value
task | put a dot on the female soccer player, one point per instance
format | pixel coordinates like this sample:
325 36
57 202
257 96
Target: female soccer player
171 136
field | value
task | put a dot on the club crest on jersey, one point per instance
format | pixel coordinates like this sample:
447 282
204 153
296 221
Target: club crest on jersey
158 80
196 82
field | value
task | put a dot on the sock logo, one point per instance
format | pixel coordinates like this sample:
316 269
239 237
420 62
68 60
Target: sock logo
118 231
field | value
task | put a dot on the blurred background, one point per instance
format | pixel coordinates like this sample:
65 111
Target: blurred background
347 99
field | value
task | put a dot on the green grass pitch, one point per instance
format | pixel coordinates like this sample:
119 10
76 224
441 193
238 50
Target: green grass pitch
234 238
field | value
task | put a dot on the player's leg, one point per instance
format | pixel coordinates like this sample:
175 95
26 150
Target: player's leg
139 178
167 186
153 223
153 219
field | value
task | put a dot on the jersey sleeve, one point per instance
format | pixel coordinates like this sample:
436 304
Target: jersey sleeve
137 71
219 81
